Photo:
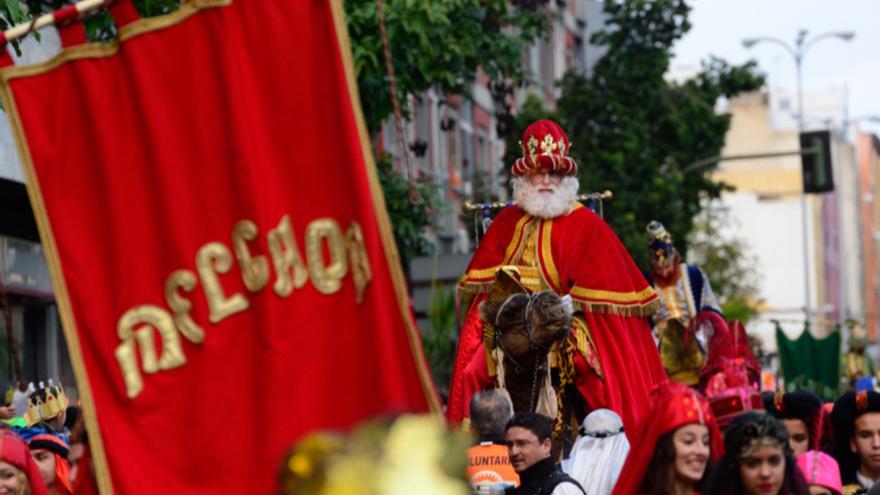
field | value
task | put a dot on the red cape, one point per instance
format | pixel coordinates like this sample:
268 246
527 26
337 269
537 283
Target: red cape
580 255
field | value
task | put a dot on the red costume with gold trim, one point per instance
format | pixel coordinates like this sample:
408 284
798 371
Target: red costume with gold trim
610 348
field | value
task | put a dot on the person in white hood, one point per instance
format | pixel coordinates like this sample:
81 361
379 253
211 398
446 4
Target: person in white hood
599 452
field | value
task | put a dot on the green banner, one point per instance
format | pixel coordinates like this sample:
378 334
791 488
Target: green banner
809 363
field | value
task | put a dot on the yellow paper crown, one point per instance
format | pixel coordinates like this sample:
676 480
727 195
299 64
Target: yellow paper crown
45 403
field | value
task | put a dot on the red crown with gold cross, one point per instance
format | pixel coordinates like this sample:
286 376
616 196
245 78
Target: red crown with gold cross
45 403
545 147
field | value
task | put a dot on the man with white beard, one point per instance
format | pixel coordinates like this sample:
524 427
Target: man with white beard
554 243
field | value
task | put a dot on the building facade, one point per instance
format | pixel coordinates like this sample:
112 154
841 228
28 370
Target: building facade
767 204
463 150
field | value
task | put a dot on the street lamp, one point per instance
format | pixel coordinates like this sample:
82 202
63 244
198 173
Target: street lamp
798 51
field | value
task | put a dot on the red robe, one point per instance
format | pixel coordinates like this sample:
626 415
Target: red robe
577 254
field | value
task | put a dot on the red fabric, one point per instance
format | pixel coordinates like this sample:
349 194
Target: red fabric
729 347
468 352
5 57
545 147
72 34
62 475
85 484
14 451
65 15
586 254
123 12
145 156
673 405
630 363
731 377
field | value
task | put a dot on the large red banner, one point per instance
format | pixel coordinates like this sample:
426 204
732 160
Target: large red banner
218 241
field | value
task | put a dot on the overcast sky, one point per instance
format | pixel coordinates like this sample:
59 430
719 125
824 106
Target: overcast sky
719 27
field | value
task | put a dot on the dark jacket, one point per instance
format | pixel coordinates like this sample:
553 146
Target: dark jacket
541 479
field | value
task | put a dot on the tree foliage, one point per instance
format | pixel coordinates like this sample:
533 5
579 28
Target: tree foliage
438 43
635 133
408 219
728 262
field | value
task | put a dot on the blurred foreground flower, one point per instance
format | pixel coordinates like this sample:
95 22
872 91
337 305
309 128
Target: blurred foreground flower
412 454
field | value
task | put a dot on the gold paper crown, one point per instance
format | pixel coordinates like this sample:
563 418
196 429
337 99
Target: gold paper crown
45 403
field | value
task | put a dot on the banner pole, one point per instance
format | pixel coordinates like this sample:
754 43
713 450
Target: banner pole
22 30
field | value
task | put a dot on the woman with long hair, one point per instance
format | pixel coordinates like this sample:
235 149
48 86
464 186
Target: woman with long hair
672 445
758 460
19 474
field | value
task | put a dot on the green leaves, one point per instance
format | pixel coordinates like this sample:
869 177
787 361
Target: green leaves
409 220
635 133
438 43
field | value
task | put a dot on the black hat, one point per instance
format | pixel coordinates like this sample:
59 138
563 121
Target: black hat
799 404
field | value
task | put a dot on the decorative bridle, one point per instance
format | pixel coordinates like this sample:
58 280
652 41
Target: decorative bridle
525 331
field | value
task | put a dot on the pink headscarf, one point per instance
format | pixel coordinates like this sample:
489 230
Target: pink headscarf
15 452
820 469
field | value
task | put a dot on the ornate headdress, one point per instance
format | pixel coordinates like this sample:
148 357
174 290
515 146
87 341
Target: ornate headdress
731 377
45 403
545 146
749 432
673 405
661 250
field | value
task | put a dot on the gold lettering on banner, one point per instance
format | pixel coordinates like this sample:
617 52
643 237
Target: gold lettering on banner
180 307
326 277
254 269
212 259
290 271
147 318
358 259
330 253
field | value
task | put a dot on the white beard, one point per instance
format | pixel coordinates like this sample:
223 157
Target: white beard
545 204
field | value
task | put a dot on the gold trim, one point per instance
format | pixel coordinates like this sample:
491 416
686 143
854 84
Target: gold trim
482 274
646 309
35 195
512 248
65 309
381 211
545 255
97 50
612 296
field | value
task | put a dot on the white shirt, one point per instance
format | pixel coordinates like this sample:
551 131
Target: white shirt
862 479
567 488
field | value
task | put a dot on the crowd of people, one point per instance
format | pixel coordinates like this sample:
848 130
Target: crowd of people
586 376
42 441
797 446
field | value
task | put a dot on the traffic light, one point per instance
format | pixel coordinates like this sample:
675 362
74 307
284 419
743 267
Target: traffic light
816 162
